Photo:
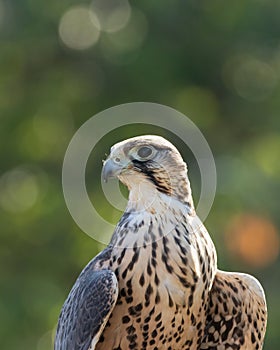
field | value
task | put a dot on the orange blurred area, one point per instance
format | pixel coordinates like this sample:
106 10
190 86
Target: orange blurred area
253 239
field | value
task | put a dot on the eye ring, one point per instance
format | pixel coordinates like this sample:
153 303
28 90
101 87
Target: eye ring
145 152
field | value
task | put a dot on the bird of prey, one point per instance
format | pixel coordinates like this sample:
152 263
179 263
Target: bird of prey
156 286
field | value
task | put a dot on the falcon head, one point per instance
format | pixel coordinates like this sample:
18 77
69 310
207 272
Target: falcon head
149 163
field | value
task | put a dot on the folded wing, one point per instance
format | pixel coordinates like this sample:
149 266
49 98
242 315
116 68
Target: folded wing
86 310
237 313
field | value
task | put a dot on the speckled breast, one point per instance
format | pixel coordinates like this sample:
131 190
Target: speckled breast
163 292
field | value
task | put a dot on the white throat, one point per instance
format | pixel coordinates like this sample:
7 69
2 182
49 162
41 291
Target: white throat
143 196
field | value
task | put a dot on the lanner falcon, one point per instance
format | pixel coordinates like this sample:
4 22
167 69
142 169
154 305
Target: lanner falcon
157 286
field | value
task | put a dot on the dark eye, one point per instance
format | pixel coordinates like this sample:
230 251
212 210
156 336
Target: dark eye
144 152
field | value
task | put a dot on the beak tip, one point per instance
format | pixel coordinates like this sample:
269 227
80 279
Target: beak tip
109 170
104 176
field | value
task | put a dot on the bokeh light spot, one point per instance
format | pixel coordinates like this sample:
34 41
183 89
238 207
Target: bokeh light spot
18 190
263 152
252 239
121 47
77 29
251 78
112 15
46 135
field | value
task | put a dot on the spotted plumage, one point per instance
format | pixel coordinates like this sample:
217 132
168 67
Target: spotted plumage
156 286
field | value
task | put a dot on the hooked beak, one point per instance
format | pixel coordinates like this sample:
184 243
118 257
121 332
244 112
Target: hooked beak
111 169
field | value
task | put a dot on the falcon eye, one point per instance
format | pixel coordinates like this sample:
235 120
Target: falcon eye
144 152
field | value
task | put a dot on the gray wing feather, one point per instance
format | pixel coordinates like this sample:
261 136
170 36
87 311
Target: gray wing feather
86 310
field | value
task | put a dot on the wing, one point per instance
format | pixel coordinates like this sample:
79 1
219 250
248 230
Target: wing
237 313
86 310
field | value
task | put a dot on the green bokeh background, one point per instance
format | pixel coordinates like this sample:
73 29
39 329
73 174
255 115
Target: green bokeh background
217 62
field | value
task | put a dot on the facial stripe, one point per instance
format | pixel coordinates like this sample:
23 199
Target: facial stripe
153 175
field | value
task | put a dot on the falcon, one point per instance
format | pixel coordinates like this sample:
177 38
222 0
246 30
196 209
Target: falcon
156 285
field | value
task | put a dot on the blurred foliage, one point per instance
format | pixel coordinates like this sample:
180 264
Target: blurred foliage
215 61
